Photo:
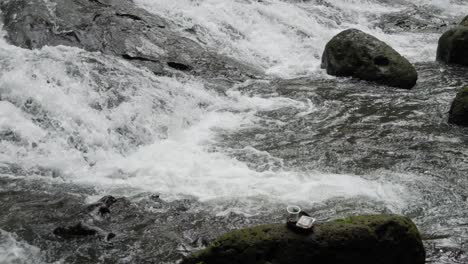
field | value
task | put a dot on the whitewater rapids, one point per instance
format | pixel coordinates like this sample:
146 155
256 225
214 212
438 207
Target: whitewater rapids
69 116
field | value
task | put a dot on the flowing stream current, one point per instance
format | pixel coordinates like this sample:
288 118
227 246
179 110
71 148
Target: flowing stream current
194 162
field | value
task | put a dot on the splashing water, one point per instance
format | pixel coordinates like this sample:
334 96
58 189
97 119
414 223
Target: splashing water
286 38
14 251
79 117
127 128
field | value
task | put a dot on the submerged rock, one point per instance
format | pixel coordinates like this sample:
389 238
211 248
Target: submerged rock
357 54
82 230
114 27
459 110
362 239
90 217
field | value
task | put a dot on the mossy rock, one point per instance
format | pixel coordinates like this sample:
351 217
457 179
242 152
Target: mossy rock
383 239
458 114
356 54
464 22
453 46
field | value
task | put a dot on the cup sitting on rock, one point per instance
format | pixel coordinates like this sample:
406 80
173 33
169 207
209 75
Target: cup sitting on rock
293 213
299 221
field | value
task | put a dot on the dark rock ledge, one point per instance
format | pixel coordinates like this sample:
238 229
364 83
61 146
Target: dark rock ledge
115 27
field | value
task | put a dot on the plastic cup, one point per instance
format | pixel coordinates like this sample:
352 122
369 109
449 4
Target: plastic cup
293 213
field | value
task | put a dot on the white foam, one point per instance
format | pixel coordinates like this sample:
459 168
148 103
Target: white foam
181 166
287 39
177 121
12 118
99 120
13 251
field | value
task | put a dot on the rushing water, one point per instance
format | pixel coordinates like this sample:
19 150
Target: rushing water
76 125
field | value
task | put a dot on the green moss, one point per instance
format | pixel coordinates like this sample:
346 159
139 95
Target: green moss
239 240
375 221
261 244
463 92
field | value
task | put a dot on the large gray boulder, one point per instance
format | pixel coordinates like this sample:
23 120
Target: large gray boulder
458 113
114 27
383 239
453 45
357 54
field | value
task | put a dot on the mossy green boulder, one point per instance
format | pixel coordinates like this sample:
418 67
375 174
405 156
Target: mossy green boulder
356 54
458 113
383 239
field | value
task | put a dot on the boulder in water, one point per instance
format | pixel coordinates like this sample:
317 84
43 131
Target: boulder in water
384 239
357 54
453 45
458 114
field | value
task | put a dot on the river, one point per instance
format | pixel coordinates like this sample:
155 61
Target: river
195 161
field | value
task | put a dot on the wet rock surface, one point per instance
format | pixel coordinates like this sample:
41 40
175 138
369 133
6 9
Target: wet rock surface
361 239
453 46
94 215
115 27
141 229
459 110
357 54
